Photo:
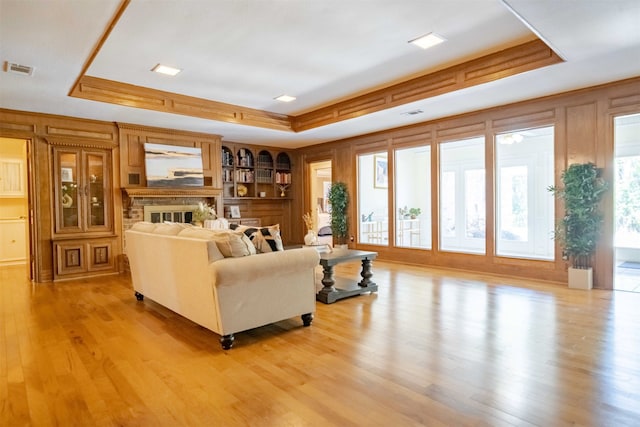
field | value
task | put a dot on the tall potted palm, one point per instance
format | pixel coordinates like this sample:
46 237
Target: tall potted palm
339 200
579 230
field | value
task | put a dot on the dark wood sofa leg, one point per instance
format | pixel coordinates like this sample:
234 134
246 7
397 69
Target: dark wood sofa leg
227 341
307 319
139 296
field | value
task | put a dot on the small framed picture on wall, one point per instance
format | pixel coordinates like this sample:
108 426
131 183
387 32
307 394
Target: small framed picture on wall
234 211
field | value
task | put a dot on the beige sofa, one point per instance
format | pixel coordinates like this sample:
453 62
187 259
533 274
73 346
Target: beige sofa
216 279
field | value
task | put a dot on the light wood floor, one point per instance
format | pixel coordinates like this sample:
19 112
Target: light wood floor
433 347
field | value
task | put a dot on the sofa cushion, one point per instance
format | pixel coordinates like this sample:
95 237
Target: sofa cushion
229 243
144 226
204 234
265 239
168 228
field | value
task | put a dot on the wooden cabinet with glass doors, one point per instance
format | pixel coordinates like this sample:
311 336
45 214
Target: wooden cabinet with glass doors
83 229
82 182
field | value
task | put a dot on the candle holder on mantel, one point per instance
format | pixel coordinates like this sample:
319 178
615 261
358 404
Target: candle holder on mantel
283 188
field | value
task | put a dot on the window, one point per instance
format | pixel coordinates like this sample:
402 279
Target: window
462 196
524 206
373 200
413 197
627 184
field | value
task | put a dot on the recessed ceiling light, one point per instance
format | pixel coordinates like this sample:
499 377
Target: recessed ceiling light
428 40
285 98
164 69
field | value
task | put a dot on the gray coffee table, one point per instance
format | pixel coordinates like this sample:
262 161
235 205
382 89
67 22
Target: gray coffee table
331 293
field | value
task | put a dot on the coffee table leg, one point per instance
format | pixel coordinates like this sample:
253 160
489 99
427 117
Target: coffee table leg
366 273
327 280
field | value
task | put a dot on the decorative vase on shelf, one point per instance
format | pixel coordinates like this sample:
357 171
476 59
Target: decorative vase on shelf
67 201
310 238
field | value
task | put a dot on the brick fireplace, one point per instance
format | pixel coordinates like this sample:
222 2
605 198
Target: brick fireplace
166 204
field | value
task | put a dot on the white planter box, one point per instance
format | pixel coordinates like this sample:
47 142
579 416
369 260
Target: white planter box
580 278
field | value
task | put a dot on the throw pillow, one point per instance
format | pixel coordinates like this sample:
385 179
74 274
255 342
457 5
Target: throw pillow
265 239
234 244
230 243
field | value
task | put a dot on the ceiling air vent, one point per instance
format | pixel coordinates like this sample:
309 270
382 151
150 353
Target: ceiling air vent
24 70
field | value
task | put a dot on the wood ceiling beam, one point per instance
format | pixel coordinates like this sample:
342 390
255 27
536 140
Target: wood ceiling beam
518 59
97 89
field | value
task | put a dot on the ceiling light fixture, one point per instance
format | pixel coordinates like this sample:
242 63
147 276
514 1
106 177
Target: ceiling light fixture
165 69
428 40
285 98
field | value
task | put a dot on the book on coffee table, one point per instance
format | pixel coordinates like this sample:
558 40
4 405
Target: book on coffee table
321 248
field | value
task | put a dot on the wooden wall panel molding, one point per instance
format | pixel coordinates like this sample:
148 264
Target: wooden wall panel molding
369 145
424 137
135 155
171 134
79 133
83 143
581 133
18 127
528 119
57 126
460 131
625 101
320 155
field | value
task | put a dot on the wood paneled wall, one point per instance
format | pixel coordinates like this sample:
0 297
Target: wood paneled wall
584 132
41 130
583 123
132 140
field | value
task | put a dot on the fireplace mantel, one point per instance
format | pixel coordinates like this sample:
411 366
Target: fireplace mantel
139 192
142 193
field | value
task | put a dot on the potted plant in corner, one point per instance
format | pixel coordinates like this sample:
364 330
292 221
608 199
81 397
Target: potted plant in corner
339 201
579 229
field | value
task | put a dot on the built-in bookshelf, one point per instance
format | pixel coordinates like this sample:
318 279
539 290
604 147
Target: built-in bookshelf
255 172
